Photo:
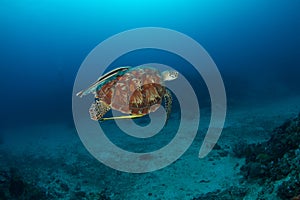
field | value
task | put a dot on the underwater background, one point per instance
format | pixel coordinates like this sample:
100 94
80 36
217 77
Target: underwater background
256 47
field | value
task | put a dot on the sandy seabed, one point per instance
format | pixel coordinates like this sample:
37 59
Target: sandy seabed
51 160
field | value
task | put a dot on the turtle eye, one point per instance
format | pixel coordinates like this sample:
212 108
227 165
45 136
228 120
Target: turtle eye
174 74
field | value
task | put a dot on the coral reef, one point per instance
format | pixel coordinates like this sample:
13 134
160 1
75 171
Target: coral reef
231 193
276 160
12 186
289 189
34 179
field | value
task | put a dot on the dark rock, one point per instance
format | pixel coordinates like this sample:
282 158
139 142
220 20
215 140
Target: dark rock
217 147
276 159
4 177
13 186
223 153
78 187
104 195
2 195
242 149
80 194
16 187
255 170
231 193
271 159
36 193
289 189
64 187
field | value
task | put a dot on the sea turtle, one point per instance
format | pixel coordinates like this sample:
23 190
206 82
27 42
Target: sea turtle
136 91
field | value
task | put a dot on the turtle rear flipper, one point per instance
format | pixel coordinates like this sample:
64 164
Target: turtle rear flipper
101 79
98 110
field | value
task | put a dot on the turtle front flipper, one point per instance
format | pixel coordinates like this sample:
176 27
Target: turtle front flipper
98 110
168 103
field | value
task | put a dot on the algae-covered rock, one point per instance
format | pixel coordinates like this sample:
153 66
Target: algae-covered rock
16 187
276 160
230 193
263 157
13 186
289 189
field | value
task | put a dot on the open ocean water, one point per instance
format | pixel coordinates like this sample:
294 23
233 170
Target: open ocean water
51 149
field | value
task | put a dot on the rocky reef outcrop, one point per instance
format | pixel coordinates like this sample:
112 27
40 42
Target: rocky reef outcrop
271 169
276 162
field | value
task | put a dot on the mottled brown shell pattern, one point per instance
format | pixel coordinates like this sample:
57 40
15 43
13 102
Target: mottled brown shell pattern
139 91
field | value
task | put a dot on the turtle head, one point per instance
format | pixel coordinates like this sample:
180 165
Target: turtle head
169 75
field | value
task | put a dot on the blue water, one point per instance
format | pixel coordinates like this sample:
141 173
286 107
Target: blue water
255 45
